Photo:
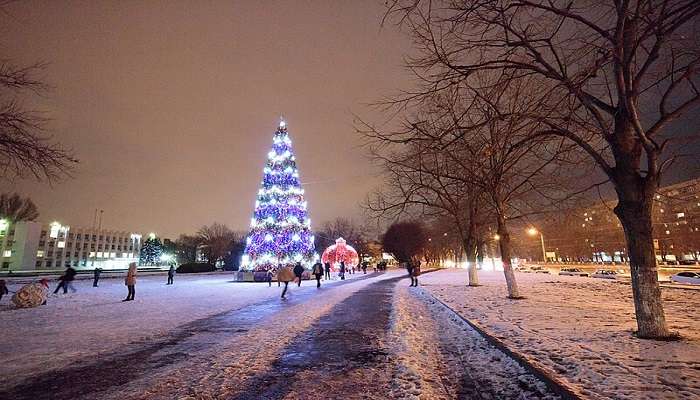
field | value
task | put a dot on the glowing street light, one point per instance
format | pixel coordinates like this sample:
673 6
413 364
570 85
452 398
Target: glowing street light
532 232
497 237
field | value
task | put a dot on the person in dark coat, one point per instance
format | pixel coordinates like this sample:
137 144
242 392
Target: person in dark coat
268 276
298 271
327 270
66 281
342 270
3 288
415 272
409 269
364 267
96 276
318 273
171 274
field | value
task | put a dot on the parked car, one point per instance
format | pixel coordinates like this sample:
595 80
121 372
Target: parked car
688 261
692 278
573 272
605 274
522 269
539 270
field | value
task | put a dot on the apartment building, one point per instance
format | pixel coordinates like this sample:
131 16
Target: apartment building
34 246
594 232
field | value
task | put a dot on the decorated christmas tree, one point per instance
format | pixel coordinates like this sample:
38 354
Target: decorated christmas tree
280 230
151 250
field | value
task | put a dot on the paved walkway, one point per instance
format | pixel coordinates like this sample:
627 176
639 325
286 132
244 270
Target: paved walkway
371 338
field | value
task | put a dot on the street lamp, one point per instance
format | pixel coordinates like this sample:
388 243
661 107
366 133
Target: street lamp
497 237
533 232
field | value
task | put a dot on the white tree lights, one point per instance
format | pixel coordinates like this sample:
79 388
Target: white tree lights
280 230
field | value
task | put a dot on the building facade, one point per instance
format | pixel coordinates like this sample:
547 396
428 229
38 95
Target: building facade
33 246
594 233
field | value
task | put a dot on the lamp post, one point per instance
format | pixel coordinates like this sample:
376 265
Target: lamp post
533 232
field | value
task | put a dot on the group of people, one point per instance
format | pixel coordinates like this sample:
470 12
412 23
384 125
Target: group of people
130 280
35 294
318 270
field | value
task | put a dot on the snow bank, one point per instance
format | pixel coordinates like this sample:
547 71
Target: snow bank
581 330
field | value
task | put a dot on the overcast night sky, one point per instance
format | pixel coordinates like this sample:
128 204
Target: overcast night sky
171 106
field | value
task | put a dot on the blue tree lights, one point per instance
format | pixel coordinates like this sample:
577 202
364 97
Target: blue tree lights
280 230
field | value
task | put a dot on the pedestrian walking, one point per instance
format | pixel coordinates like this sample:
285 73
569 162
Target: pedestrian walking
268 276
96 276
130 282
365 264
298 271
66 281
286 275
327 270
171 274
409 269
415 273
318 273
3 288
342 270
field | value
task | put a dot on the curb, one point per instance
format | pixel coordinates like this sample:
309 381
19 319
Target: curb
553 383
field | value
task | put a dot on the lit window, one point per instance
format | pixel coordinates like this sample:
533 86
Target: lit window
680 215
92 254
40 253
55 227
61 245
99 254
112 255
7 253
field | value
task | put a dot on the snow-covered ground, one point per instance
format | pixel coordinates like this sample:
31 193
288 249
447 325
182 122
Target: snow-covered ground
580 329
438 356
94 321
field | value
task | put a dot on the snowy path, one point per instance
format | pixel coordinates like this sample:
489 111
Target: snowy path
580 330
366 339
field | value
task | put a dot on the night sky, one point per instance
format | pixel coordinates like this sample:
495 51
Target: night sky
171 105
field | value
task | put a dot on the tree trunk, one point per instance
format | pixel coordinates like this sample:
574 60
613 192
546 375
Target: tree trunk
634 210
473 242
504 243
470 250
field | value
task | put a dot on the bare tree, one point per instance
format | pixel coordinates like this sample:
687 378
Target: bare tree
420 179
186 248
624 69
15 208
487 161
216 240
339 227
26 148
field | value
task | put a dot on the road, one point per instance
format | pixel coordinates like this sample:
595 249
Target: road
664 272
368 338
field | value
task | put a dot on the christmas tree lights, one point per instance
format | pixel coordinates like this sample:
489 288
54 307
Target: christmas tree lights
151 251
280 230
